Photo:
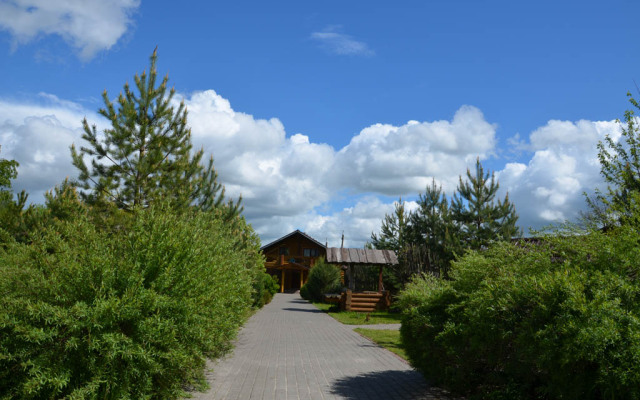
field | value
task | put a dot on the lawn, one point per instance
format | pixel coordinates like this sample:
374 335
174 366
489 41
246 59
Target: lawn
389 339
355 318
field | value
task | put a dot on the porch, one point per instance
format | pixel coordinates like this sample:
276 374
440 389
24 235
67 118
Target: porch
291 272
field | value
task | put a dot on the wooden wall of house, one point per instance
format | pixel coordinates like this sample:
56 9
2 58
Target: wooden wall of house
295 245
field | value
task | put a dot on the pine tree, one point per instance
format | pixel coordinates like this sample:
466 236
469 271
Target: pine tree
146 154
12 212
393 230
480 218
432 231
393 236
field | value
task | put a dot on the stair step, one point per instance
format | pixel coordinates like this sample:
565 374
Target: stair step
363 304
362 309
365 300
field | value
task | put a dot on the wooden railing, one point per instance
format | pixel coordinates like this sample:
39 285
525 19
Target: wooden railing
284 259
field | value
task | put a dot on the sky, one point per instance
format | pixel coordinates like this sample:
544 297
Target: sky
322 114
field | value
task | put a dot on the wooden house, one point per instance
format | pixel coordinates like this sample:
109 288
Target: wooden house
291 257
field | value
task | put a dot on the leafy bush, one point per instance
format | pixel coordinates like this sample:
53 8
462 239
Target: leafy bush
90 314
264 287
323 278
555 319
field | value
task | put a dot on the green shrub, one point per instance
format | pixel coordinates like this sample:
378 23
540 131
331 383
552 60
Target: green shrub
550 320
264 287
304 292
323 278
90 314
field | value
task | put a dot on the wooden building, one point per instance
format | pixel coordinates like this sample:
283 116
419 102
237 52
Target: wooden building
291 257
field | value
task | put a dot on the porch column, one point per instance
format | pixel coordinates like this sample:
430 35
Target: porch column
352 284
301 278
282 283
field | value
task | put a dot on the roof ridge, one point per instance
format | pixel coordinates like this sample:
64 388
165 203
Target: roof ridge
291 234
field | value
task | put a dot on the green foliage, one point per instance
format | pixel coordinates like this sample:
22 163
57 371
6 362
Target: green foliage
145 156
555 318
125 294
323 278
15 220
90 314
427 239
393 235
434 235
393 230
620 167
482 220
264 287
8 172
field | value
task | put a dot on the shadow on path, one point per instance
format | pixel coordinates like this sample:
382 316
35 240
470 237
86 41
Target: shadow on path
303 309
384 385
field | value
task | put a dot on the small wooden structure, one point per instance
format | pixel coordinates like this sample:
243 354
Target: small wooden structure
364 301
351 257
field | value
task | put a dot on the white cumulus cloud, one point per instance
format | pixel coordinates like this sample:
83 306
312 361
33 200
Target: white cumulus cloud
89 26
38 136
289 181
276 175
400 160
550 187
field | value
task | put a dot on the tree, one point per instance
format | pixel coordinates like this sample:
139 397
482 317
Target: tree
480 218
432 231
620 167
393 230
11 211
146 154
323 278
8 171
429 238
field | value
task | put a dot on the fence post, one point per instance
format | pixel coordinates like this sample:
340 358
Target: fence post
347 300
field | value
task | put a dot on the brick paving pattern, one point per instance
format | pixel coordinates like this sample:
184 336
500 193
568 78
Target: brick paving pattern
291 350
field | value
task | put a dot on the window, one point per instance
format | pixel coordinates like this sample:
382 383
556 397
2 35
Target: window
311 252
284 251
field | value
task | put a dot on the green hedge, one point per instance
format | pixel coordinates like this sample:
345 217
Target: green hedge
557 319
89 314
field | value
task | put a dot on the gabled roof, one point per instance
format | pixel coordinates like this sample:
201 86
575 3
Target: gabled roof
296 232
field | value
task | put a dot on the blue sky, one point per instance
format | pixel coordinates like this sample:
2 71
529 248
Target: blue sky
321 114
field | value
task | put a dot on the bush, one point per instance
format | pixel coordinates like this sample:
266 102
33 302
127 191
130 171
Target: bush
264 287
555 319
323 278
90 314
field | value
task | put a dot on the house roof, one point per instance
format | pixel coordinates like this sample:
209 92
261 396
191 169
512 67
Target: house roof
296 232
337 255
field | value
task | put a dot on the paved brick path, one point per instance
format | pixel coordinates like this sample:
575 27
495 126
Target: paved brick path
291 350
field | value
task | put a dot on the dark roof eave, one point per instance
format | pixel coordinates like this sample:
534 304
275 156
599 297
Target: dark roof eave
297 231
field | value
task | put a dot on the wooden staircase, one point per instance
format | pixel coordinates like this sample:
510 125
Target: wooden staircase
365 301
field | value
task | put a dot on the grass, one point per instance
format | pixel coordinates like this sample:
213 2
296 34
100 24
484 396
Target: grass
355 318
389 339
